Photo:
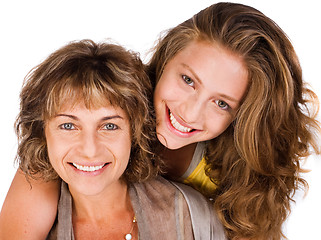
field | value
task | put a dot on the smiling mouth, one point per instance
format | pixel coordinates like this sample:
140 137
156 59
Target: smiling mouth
88 168
177 125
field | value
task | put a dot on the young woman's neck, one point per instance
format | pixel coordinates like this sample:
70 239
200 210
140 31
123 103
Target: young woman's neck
177 161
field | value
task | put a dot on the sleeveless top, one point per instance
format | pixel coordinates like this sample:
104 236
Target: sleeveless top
163 209
195 174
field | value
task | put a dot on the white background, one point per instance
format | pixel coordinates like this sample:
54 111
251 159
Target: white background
30 30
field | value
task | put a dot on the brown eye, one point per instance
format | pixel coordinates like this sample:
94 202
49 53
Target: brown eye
188 80
223 105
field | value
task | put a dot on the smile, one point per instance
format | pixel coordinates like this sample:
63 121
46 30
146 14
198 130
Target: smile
177 125
88 168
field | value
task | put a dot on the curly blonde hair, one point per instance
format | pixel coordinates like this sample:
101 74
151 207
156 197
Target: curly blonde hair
95 73
257 160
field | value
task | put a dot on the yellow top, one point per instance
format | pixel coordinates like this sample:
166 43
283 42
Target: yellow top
199 180
195 175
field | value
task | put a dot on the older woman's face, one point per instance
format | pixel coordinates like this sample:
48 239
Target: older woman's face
89 148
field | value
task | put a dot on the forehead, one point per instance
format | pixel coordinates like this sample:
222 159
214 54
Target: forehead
203 53
215 67
80 109
73 99
94 91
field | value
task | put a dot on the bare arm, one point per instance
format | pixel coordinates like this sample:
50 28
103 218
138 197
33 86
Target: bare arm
28 213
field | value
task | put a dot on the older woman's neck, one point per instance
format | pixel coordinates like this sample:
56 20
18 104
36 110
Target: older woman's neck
112 201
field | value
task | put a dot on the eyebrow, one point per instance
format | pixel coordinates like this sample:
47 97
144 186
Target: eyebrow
201 83
77 119
229 98
192 71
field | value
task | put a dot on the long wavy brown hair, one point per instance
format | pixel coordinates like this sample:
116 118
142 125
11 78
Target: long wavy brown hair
257 160
97 74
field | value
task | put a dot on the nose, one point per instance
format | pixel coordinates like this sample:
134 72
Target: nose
192 109
89 145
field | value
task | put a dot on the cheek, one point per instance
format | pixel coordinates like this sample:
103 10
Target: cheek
157 96
51 145
218 126
167 89
50 148
120 149
53 153
160 91
56 150
126 149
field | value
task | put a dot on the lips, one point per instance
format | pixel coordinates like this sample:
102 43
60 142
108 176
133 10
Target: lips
88 168
177 125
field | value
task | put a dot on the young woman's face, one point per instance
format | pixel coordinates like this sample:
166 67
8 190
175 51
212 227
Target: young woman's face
198 94
89 148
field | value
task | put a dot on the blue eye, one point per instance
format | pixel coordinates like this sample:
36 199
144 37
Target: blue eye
111 126
188 80
221 104
67 126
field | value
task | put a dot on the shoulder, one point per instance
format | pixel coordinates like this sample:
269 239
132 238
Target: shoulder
62 228
156 200
205 222
157 188
162 193
29 209
164 189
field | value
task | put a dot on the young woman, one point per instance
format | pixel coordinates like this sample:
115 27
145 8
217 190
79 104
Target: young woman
229 88
233 115
85 119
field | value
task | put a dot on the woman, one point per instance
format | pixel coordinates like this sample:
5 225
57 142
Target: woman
231 107
85 119
230 79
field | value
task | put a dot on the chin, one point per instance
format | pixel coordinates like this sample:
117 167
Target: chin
85 189
170 143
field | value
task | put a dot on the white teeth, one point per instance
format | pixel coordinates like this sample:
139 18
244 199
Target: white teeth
178 126
88 168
